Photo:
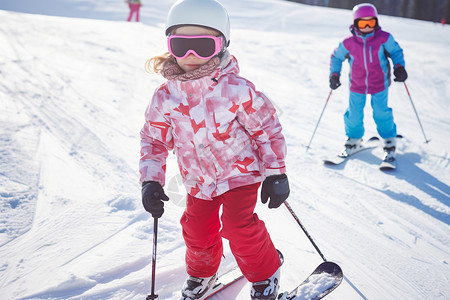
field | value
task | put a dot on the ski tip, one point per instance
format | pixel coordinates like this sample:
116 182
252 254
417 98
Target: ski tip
399 136
281 255
330 268
387 169
388 166
334 161
374 138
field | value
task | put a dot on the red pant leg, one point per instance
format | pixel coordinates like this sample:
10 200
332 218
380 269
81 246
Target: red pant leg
201 226
249 240
137 13
130 15
134 9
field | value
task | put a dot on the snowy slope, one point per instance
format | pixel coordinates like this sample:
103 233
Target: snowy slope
72 96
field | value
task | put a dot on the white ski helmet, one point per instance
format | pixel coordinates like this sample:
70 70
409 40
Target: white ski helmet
208 13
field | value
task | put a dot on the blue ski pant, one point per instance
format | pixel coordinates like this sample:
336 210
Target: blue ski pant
382 115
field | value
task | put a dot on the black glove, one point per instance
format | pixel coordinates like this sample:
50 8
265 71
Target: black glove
152 194
400 74
277 188
334 81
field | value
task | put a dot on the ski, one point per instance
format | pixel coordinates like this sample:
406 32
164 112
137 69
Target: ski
325 278
224 281
373 142
388 165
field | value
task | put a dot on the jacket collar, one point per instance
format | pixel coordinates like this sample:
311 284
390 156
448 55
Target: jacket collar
228 64
355 32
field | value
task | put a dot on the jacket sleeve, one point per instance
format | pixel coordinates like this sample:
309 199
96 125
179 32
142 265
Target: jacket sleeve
156 140
259 118
395 51
337 58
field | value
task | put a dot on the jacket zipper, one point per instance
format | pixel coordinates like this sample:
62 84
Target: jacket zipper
365 65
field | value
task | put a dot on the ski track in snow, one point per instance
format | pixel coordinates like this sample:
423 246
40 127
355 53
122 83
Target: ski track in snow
73 94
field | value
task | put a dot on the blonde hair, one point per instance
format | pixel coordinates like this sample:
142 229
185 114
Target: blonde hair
156 63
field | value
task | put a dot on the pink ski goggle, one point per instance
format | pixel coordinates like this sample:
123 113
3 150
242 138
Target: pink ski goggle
202 46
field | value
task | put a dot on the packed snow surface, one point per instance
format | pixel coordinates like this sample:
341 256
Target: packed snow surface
73 91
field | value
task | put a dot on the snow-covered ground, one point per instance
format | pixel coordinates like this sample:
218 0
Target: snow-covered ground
72 96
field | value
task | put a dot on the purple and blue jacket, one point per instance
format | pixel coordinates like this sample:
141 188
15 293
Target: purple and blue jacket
368 59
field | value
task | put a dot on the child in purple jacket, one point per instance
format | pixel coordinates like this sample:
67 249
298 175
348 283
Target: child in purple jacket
367 51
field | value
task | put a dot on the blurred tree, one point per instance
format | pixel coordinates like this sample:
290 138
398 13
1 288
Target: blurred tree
429 10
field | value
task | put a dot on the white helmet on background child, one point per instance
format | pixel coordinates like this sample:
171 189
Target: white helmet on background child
208 13
364 10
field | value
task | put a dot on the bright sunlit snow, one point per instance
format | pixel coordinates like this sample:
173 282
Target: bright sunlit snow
73 91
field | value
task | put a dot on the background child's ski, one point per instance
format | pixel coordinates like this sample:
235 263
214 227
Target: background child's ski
373 142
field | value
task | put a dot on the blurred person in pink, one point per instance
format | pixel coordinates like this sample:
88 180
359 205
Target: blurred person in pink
134 6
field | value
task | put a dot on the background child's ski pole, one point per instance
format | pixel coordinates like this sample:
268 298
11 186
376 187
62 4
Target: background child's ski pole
314 132
420 123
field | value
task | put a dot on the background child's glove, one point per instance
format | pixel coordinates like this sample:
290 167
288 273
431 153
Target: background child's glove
334 81
152 194
400 74
277 188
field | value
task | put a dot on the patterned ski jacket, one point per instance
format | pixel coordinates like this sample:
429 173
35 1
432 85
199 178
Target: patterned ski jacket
368 59
224 133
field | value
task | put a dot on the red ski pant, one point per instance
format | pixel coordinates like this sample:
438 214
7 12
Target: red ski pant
249 240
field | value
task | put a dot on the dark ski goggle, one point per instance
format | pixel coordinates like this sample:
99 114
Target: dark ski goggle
202 46
361 24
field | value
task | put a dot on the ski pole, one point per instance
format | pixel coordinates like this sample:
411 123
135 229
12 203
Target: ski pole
314 132
155 239
417 115
304 229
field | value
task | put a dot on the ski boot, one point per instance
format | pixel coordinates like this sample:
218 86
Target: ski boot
267 289
351 145
389 149
196 288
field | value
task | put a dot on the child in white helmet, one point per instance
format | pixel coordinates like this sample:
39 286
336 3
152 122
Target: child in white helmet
227 138
368 50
